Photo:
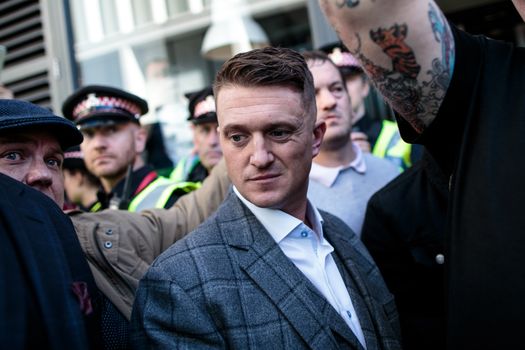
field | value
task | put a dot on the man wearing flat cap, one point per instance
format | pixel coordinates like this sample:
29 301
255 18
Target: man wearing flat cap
50 302
113 144
207 151
48 299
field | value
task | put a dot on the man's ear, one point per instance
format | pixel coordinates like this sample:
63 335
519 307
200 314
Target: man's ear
141 136
319 130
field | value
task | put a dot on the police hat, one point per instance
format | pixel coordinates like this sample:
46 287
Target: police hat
347 63
202 106
17 115
73 158
96 105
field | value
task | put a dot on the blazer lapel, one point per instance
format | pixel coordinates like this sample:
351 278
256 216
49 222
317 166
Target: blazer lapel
265 263
373 321
338 325
360 306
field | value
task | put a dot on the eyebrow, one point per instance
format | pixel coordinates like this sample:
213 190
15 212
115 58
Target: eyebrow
233 127
22 139
17 138
271 126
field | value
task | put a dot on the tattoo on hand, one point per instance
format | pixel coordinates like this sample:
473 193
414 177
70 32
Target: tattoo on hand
415 100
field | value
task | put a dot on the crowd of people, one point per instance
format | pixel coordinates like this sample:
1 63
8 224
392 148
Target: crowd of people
297 221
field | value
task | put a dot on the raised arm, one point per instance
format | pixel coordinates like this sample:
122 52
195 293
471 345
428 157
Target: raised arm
121 245
406 48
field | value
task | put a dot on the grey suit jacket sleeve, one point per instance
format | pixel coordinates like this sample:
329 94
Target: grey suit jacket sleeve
155 325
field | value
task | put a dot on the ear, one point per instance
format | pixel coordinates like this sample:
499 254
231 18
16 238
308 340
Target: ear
319 130
141 135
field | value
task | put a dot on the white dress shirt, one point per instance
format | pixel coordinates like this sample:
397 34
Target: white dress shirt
311 253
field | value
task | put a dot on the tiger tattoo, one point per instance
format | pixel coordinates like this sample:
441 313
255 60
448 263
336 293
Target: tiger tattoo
392 42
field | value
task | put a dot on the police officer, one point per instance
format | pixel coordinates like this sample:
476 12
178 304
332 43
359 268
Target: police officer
207 151
113 144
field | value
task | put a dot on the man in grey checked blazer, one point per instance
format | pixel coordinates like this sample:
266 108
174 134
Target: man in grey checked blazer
248 277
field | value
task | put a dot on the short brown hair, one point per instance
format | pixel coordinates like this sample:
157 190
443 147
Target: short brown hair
319 56
269 66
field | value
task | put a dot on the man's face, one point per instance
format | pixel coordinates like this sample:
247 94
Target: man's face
206 141
333 102
108 150
268 142
35 159
520 6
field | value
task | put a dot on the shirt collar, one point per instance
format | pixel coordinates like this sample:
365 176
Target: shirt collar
278 223
327 175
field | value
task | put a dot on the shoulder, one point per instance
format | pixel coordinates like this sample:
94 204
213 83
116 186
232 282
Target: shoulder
375 164
400 183
200 248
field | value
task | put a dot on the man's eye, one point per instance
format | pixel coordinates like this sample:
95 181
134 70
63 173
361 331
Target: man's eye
53 162
14 156
338 91
279 133
236 138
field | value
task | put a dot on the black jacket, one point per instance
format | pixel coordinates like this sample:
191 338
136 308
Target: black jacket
404 232
48 298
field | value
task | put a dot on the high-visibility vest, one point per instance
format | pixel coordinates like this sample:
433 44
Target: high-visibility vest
158 192
390 145
95 207
183 169
155 195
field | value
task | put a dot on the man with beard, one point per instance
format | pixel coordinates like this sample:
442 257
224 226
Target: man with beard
113 144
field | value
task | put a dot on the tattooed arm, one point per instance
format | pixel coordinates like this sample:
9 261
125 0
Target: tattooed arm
406 48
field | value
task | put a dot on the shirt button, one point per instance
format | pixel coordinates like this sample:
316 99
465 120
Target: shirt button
349 314
304 234
108 244
109 232
440 259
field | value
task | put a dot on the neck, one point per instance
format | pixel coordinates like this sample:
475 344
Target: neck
109 183
298 208
333 157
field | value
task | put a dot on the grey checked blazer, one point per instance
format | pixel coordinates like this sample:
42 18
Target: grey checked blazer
229 285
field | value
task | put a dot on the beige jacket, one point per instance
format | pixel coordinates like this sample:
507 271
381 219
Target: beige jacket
120 245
